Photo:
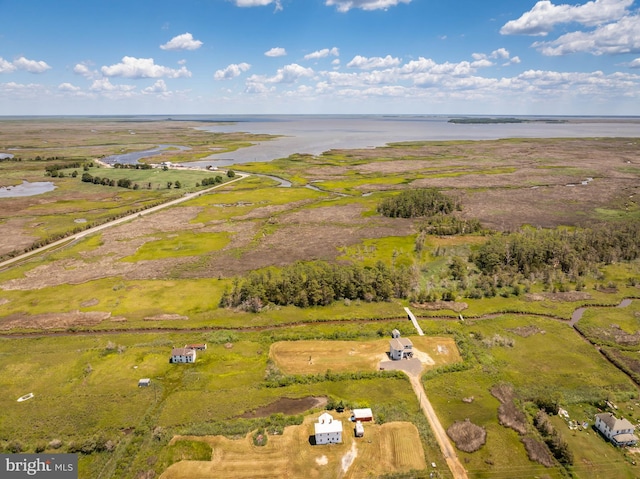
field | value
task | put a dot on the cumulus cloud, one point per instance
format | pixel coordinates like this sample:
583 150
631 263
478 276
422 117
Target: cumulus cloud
365 63
544 15
259 3
346 5
182 42
84 70
635 63
132 67
231 71
5 66
158 87
68 87
286 75
622 36
32 66
276 52
104 85
325 52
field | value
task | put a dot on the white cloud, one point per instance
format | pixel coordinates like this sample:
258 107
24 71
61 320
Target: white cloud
132 67
32 66
84 70
231 71
259 3
291 73
68 87
104 85
182 42
544 15
276 52
346 5
500 53
5 66
365 63
622 36
286 75
635 63
158 87
325 52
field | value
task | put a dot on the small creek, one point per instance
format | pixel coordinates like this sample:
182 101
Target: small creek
578 313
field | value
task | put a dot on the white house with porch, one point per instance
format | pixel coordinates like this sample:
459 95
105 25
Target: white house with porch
619 431
328 430
400 348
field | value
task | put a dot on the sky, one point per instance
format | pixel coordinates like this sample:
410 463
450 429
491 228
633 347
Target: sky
170 57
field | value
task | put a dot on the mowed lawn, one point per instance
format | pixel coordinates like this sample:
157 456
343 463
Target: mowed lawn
393 447
312 357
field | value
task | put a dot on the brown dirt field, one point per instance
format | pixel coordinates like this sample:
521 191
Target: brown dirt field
467 436
287 406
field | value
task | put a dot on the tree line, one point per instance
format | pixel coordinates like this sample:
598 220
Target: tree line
317 283
418 203
573 252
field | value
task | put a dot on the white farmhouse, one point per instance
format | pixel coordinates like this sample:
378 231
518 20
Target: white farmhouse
183 355
400 348
619 431
328 430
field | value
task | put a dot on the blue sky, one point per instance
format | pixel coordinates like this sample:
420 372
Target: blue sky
519 57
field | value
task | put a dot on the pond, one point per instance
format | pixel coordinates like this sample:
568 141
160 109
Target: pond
133 157
27 189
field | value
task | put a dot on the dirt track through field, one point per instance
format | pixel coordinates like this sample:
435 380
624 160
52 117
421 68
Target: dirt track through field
449 453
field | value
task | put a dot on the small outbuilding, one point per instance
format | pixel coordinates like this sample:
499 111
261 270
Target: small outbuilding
328 430
359 429
395 333
144 382
362 415
197 347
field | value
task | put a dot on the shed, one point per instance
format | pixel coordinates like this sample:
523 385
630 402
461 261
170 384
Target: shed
359 429
395 333
362 415
198 347
144 382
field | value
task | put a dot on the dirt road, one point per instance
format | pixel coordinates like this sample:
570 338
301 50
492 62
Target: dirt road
446 447
82 234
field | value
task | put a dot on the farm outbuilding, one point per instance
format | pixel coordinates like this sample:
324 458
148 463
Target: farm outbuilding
144 382
395 333
328 430
359 429
197 347
362 415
